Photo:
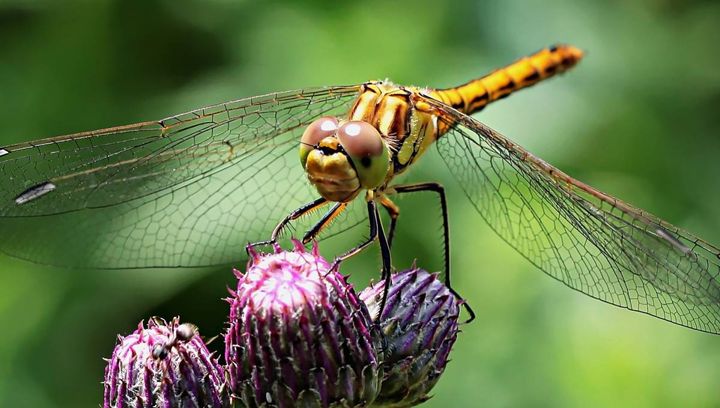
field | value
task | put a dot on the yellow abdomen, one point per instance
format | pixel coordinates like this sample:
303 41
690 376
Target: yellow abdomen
476 94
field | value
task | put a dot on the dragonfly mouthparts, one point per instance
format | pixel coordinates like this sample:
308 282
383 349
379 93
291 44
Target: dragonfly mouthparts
327 150
330 145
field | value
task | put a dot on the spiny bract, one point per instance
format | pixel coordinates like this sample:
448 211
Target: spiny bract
299 335
165 365
420 325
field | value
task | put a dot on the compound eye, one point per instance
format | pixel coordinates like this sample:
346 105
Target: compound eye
319 130
360 139
367 150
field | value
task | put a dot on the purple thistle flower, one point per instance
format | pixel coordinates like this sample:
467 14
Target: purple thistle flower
420 324
165 365
299 335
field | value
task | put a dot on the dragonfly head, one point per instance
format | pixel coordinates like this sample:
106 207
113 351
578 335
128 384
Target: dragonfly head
342 158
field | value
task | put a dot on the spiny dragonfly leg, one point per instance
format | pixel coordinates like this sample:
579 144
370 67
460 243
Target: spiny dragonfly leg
386 262
394 211
291 217
376 232
373 235
440 191
324 222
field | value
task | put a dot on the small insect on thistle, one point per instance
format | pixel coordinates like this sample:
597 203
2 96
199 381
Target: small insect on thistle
182 334
164 365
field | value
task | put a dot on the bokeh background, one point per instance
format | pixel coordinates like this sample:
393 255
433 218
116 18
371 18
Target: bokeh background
638 118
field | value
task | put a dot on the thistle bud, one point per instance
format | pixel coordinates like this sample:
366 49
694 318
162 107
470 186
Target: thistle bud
164 365
420 324
299 335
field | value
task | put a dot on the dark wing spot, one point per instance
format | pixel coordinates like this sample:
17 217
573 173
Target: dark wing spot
34 192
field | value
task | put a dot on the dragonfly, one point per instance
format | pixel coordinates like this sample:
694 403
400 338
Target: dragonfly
189 190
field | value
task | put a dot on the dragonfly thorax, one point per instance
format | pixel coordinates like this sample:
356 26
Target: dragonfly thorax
341 159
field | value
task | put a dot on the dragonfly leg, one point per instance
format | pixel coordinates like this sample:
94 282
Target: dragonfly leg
394 211
324 222
386 263
440 191
376 232
291 217
372 215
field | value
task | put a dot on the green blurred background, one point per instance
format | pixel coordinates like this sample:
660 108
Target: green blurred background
638 118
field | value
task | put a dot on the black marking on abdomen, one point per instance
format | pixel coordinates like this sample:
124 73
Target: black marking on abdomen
534 77
481 99
509 86
550 70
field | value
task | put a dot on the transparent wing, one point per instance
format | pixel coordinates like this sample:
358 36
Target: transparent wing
189 190
588 240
